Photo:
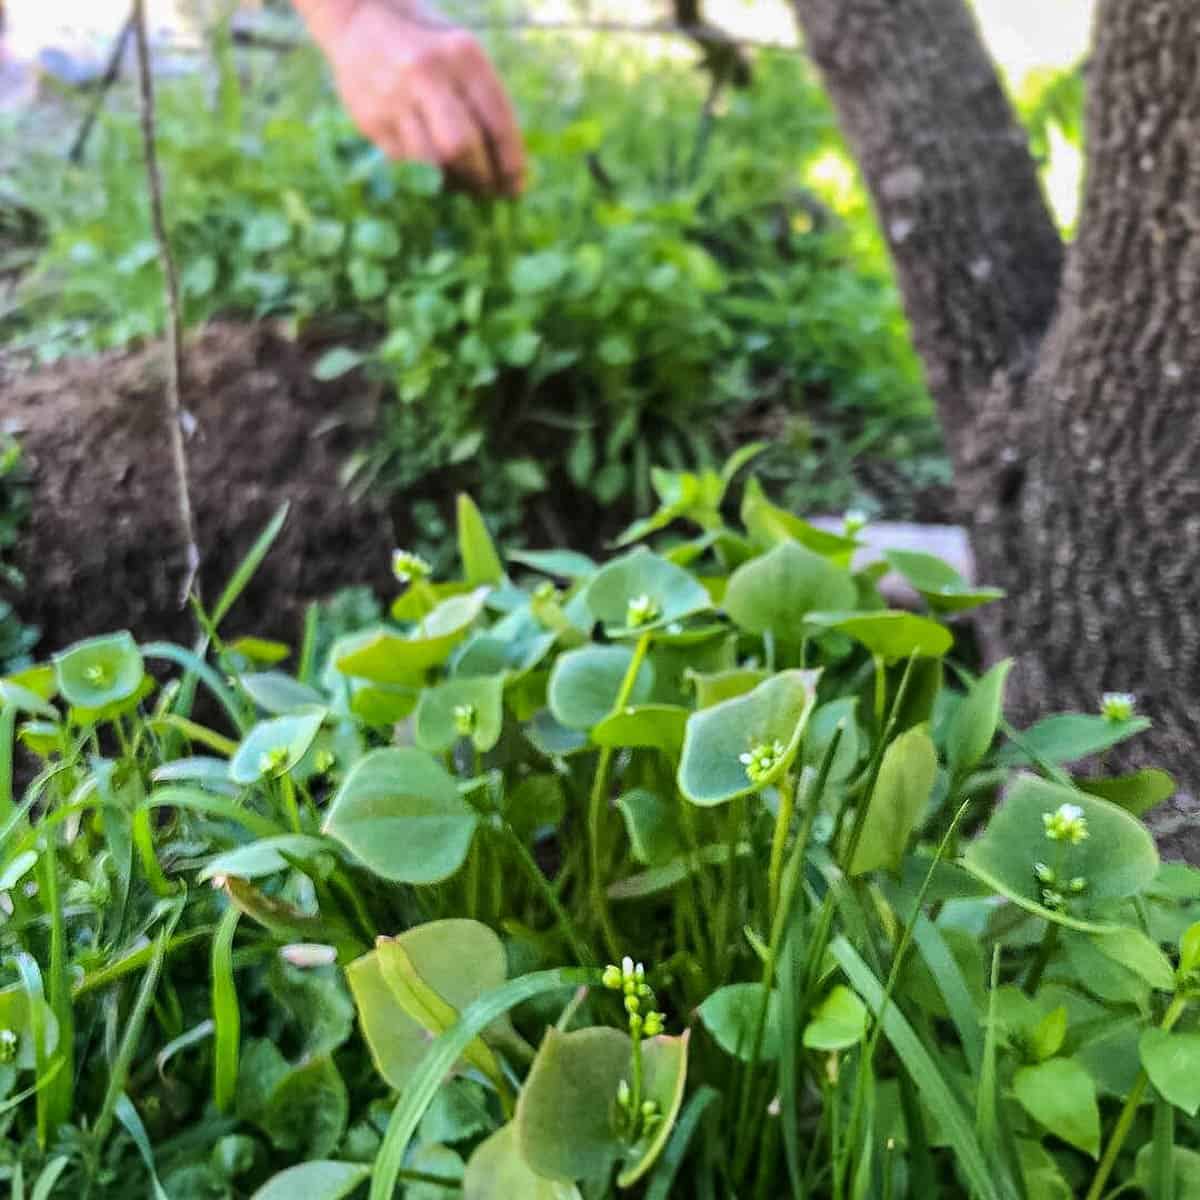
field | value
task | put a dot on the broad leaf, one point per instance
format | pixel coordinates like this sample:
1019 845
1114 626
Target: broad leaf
585 683
888 634
496 1171
643 583
938 583
973 726
1069 737
275 747
265 856
653 826
775 593
320 1180
471 706
1061 1096
100 671
648 726
838 1022
1172 1060
731 1013
481 563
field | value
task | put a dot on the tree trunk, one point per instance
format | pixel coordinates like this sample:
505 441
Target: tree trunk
1067 393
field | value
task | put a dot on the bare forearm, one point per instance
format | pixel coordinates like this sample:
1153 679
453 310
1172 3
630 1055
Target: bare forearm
326 18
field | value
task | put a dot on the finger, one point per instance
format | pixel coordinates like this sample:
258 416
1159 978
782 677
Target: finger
484 94
457 138
412 133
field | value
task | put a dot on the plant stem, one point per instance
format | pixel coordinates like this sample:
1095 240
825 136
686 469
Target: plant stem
725 910
289 801
579 947
1037 968
1129 1112
783 821
599 805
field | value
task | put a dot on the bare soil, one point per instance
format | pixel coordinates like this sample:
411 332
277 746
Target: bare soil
105 549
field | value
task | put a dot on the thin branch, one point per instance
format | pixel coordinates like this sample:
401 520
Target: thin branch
174 396
112 72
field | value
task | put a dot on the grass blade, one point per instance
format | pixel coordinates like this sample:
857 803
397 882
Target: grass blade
31 982
253 560
128 1116
195 665
8 732
681 1139
943 966
424 1082
59 1093
929 1080
226 1015
214 806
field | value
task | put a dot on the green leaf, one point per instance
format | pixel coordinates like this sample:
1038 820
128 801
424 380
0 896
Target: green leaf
437 727
335 363
822 725
1116 860
457 960
288 737
481 563
585 683
100 671
227 1021
664 1063
496 1171
1185 1165
386 657
898 802
713 687
1172 1060
776 592
1060 1095
400 813
306 1110
938 583
973 726
711 771
564 1115
769 525
278 693
563 564
838 1022
730 1014
653 826
375 238
265 856
672 594
1137 953
1189 948
320 1180
890 635
645 726
424 1081
533 273
1069 737
1136 793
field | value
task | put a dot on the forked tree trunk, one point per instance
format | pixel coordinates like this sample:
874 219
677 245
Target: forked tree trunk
1068 390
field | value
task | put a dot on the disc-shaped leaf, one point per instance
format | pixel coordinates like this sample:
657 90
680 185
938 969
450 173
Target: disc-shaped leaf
459 960
888 634
100 671
898 801
565 1114
938 583
274 747
775 593
653 826
711 770
470 706
324 1179
664 1066
1116 859
731 1015
1060 1095
387 657
496 1171
1172 1060
585 683
665 593
399 812
838 1022
648 726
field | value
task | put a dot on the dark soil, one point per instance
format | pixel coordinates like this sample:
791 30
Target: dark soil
105 549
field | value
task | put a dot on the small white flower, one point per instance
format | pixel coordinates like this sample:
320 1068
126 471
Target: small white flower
465 719
1066 824
761 760
1117 706
853 521
407 566
308 954
641 610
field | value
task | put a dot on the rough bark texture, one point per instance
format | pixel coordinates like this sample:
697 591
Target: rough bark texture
1067 393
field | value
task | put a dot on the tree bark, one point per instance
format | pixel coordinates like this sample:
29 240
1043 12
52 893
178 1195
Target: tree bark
1067 391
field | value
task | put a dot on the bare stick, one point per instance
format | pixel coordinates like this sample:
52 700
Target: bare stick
111 73
174 397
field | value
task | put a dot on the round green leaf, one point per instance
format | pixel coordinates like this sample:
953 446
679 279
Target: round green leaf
838 1022
890 635
664 1067
646 726
671 592
653 826
1117 859
399 812
496 1171
1060 1095
320 1180
565 1112
437 725
100 671
1172 1060
711 771
730 1014
774 593
584 684
274 747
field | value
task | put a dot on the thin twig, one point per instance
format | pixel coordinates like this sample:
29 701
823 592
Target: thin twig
112 72
174 397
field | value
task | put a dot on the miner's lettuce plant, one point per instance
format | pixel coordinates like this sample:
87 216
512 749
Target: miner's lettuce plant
681 874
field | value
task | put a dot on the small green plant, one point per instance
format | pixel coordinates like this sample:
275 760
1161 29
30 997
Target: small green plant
681 872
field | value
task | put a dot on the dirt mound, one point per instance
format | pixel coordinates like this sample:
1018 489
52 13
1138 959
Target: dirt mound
105 551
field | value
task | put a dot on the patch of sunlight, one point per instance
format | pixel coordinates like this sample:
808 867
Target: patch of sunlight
831 175
1062 177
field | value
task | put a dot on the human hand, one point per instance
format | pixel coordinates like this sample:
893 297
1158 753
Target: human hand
421 88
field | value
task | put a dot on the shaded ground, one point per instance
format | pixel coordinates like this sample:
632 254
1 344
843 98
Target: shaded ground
104 550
